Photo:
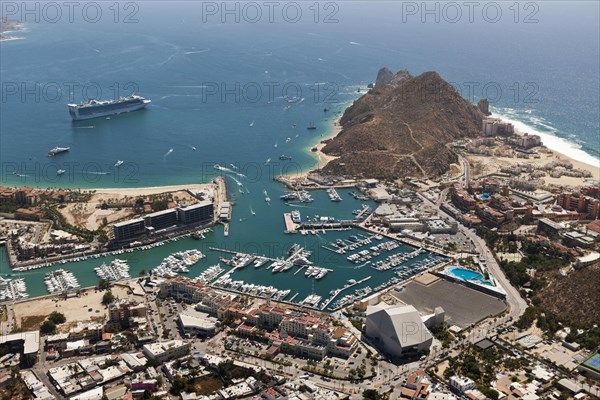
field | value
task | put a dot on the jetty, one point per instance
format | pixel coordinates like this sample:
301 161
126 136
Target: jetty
225 229
290 225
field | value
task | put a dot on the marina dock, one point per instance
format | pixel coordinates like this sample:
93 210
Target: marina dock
290 226
313 227
363 211
340 290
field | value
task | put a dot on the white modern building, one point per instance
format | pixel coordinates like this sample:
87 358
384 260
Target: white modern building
165 351
397 330
462 383
193 322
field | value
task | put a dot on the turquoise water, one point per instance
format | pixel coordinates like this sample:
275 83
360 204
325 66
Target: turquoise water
261 234
468 275
175 58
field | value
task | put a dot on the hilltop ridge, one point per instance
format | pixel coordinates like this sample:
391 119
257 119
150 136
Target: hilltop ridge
402 127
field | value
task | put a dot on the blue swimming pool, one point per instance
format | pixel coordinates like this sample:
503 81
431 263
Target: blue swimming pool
467 275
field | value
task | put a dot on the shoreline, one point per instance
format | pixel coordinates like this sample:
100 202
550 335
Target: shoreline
150 189
321 159
553 143
554 147
15 27
559 145
146 190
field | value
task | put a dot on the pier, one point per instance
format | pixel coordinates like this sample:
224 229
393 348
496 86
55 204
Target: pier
314 227
361 213
299 269
336 292
290 226
293 297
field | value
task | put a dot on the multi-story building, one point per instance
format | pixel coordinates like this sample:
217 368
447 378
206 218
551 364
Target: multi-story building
25 343
161 219
196 213
577 201
184 289
124 313
528 141
489 216
463 200
461 383
165 351
546 225
206 299
129 229
577 239
500 202
299 332
495 127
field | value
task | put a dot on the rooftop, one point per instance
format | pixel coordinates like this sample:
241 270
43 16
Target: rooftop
31 340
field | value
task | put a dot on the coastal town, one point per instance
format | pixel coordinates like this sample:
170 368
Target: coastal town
218 200
476 272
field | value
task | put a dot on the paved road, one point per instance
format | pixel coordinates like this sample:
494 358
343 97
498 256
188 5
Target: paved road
513 297
467 170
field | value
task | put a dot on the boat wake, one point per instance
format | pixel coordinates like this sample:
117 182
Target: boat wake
197 52
267 198
168 153
229 170
237 181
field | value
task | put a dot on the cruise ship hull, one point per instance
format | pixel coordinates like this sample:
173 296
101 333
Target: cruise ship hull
76 115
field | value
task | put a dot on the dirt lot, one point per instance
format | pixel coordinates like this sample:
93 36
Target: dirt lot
85 308
89 215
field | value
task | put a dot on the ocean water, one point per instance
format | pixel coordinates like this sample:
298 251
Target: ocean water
242 93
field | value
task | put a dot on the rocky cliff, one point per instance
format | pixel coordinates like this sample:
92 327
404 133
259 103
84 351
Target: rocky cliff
402 127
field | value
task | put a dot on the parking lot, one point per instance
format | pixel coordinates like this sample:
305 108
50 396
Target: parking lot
463 306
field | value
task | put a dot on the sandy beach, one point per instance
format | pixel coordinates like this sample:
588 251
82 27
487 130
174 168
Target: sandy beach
487 165
321 158
146 191
583 161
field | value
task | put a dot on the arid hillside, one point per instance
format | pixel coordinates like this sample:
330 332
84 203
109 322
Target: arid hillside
402 127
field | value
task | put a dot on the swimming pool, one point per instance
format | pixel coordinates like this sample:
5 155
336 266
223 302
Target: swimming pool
467 275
